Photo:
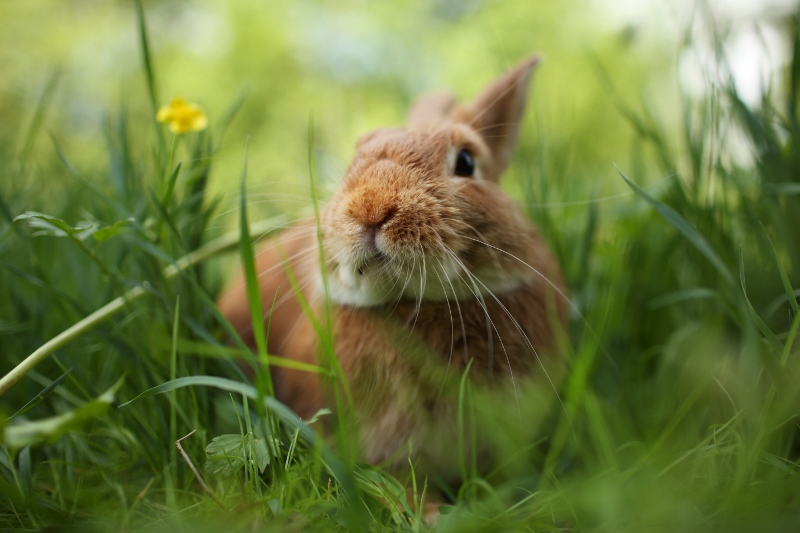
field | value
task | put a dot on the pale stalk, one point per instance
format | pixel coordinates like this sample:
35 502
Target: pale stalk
210 249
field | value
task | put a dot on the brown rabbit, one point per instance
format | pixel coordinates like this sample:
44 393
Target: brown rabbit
429 265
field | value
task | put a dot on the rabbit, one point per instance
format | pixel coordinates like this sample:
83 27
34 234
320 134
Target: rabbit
431 270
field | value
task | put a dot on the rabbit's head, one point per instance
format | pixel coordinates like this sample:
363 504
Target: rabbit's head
420 215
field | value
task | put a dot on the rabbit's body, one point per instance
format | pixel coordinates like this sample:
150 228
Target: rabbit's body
429 266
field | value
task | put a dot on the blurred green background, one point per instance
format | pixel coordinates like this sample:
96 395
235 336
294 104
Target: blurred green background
352 66
622 83
674 407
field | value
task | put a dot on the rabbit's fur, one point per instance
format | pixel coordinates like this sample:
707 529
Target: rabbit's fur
426 271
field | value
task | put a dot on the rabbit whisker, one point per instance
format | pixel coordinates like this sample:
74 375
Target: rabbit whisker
534 270
533 350
452 327
476 292
421 295
400 294
275 229
572 305
479 297
265 272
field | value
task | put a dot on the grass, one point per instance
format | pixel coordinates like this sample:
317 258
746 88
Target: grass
679 408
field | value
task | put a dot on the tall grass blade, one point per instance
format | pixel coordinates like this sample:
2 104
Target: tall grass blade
173 374
772 339
787 285
25 473
686 229
167 198
30 134
342 395
247 253
112 202
41 396
146 58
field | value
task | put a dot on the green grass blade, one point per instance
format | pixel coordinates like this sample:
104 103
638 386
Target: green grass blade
787 347
785 189
460 422
173 374
41 396
150 76
25 473
794 73
686 295
770 361
146 58
247 253
165 217
686 229
227 118
167 198
115 204
343 397
38 117
219 351
772 339
787 285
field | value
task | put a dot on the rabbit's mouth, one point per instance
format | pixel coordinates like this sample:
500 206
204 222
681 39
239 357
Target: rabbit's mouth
376 258
361 284
382 278
366 252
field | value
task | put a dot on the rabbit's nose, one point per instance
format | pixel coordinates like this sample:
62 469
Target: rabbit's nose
371 209
371 227
379 218
369 234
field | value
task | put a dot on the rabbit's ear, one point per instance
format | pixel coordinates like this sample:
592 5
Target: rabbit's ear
431 110
495 114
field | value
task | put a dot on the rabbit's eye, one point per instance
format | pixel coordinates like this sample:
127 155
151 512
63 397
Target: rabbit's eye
465 165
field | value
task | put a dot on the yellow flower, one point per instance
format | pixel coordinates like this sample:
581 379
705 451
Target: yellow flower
182 116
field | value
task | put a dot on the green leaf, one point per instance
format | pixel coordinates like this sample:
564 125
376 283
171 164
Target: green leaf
227 454
320 413
107 232
49 225
55 227
262 454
